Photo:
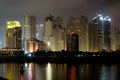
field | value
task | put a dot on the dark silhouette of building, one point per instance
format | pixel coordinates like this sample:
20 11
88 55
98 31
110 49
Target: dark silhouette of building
72 42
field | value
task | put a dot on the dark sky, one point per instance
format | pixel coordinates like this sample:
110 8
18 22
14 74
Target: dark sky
16 9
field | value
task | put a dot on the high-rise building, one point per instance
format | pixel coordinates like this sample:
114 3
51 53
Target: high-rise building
29 30
39 31
48 38
83 32
104 31
79 25
93 38
72 42
57 33
115 39
13 35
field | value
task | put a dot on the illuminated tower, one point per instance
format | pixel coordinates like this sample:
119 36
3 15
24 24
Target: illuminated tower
83 32
13 35
104 31
48 38
57 33
29 30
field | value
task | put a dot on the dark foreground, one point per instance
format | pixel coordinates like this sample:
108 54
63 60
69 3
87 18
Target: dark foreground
94 59
3 78
61 57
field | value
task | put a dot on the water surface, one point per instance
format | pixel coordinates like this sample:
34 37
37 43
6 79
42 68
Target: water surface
52 71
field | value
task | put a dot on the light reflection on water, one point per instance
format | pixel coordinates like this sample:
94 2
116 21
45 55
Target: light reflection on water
52 71
49 72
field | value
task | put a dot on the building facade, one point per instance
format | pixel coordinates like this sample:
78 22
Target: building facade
13 35
115 39
79 25
48 38
104 31
33 45
72 42
57 33
93 38
29 30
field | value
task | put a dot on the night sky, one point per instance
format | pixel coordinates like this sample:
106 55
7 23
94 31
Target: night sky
16 9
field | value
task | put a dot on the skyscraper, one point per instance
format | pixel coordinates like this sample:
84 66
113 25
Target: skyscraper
13 35
79 25
29 30
104 31
57 34
115 39
93 37
48 38
83 32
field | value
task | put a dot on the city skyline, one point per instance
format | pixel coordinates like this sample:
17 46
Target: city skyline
55 35
16 10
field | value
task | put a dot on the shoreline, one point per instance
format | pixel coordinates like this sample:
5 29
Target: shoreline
95 60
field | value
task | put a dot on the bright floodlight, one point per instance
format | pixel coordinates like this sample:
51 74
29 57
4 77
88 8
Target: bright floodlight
110 19
101 18
48 43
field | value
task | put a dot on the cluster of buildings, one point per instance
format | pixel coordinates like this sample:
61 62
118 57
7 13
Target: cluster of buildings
78 35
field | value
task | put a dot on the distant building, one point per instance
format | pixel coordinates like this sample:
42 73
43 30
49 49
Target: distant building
93 38
48 38
33 45
79 25
104 31
39 31
41 46
72 42
29 30
115 39
13 35
57 34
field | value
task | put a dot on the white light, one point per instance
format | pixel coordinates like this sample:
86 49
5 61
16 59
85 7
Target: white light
49 72
93 54
109 19
48 43
41 25
26 65
26 52
101 18
29 55
49 66
100 15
